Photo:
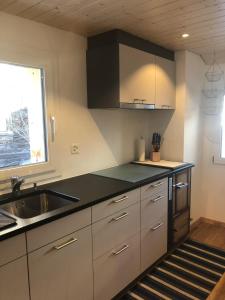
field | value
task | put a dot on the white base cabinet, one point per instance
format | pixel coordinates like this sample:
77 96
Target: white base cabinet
92 254
153 243
154 210
116 269
14 280
13 269
114 229
62 270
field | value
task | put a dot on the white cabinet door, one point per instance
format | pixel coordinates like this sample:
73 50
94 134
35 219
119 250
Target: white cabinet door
14 280
137 75
62 270
165 83
116 269
153 243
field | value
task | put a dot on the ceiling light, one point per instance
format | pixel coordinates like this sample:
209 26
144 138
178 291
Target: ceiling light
185 35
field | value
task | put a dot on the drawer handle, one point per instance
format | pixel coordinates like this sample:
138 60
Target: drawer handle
156 227
121 250
73 240
118 218
155 185
157 199
181 185
120 200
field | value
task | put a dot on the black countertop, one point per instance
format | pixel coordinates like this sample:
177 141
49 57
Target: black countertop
90 189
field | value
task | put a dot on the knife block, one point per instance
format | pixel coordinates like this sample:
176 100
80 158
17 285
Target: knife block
155 156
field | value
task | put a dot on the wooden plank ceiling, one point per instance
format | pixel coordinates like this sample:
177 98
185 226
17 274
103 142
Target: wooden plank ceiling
161 21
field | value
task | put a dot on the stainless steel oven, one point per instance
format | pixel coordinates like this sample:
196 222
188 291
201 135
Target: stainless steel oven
179 206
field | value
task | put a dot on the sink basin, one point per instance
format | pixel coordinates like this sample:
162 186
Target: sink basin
35 204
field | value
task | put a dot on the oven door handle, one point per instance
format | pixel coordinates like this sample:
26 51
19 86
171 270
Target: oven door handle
181 185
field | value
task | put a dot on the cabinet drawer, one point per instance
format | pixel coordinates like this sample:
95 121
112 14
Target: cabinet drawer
48 233
115 229
178 235
181 226
117 268
12 248
153 243
115 204
153 209
63 269
155 188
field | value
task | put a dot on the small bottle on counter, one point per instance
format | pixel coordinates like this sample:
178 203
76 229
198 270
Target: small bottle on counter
141 149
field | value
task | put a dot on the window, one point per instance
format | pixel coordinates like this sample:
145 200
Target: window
22 116
223 131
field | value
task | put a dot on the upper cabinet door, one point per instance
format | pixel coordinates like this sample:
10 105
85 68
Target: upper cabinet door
137 75
165 83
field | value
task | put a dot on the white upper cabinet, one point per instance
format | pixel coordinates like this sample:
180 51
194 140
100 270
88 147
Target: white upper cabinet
146 78
137 75
125 71
165 83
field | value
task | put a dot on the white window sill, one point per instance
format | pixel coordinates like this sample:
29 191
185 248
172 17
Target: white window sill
41 178
217 160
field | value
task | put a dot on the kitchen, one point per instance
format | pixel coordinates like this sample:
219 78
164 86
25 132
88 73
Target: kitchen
82 141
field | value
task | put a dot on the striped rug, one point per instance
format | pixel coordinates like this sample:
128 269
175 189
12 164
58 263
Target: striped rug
190 272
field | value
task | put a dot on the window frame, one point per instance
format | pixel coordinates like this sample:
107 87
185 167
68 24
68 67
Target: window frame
37 61
217 158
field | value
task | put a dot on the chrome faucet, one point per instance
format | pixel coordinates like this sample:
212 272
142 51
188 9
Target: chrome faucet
16 183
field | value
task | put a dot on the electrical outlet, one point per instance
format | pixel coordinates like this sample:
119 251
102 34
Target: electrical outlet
74 149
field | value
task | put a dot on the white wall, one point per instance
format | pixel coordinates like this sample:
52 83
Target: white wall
194 136
183 134
195 69
213 175
173 144
106 138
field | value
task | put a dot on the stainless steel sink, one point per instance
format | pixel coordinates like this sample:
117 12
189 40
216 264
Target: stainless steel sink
35 204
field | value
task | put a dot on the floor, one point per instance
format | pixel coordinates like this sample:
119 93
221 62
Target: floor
213 234
210 233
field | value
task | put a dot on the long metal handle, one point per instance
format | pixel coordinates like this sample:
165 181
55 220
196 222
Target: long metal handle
181 185
157 199
53 130
73 240
120 200
118 218
156 227
155 185
140 101
121 250
166 106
